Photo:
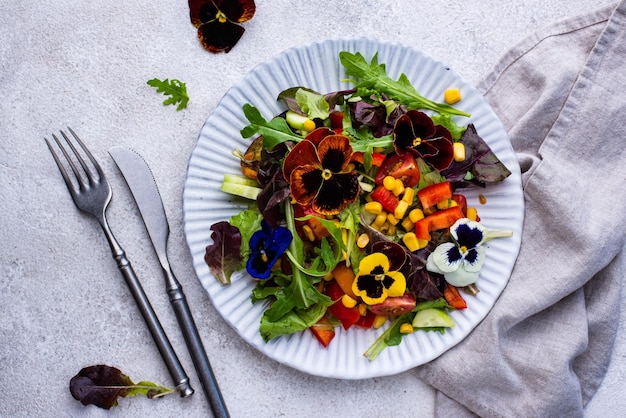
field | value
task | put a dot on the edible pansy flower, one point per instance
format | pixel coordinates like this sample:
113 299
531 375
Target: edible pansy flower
460 261
318 174
375 280
416 133
217 21
266 246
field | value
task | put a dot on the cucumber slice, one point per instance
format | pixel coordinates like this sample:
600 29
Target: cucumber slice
432 318
239 179
249 192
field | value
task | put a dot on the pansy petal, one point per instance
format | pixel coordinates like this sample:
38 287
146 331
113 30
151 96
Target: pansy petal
403 135
446 257
461 277
304 153
335 153
397 285
423 126
370 289
336 193
474 259
468 233
443 158
237 11
373 262
216 36
305 183
201 12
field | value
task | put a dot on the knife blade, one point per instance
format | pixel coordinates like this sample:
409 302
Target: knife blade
143 187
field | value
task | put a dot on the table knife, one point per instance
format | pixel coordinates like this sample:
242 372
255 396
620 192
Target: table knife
144 189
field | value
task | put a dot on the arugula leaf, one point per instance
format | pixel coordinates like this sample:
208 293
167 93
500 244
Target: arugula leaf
274 131
374 76
102 385
176 89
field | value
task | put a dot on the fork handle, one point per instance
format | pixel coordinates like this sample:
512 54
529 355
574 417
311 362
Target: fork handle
181 380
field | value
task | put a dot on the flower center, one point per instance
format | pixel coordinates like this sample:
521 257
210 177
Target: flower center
327 174
264 256
463 249
221 16
379 277
417 141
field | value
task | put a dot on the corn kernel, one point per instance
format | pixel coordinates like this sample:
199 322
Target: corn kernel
406 328
416 214
472 213
458 151
391 229
452 96
448 203
308 125
362 241
409 195
308 232
392 219
362 309
379 321
401 209
407 224
389 183
410 240
373 207
398 188
380 219
328 276
347 301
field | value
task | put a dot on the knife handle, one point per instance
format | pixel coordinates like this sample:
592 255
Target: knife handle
181 380
195 346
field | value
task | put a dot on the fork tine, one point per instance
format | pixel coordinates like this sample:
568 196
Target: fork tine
94 162
59 164
83 164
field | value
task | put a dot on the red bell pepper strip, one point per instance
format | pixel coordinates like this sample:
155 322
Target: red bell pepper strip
386 198
323 331
431 195
461 201
441 219
366 321
347 316
377 158
453 297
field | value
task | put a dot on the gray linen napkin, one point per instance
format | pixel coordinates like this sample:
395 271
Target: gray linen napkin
545 347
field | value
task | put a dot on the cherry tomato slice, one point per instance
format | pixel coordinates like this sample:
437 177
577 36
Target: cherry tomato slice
399 166
395 306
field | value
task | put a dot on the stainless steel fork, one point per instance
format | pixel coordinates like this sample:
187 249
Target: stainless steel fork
91 193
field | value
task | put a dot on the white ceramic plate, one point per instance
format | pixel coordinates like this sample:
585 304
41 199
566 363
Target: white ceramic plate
317 66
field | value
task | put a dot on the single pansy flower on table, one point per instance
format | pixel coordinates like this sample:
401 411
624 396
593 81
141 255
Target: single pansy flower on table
319 175
218 21
267 245
416 133
461 260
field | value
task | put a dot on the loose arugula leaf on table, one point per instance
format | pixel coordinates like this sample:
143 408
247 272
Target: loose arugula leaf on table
373 76
102 385
224 256
274 131
176 89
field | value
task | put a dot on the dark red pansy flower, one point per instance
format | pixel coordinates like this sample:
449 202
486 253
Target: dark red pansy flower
318 174
217 21
416 133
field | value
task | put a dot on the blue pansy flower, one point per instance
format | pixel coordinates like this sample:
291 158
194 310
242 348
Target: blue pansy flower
266 246
460 261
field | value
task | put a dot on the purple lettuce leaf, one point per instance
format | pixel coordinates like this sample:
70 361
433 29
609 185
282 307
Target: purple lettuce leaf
224 256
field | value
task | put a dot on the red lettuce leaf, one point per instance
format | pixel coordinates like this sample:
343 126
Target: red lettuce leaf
224 256
480 161
102 385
